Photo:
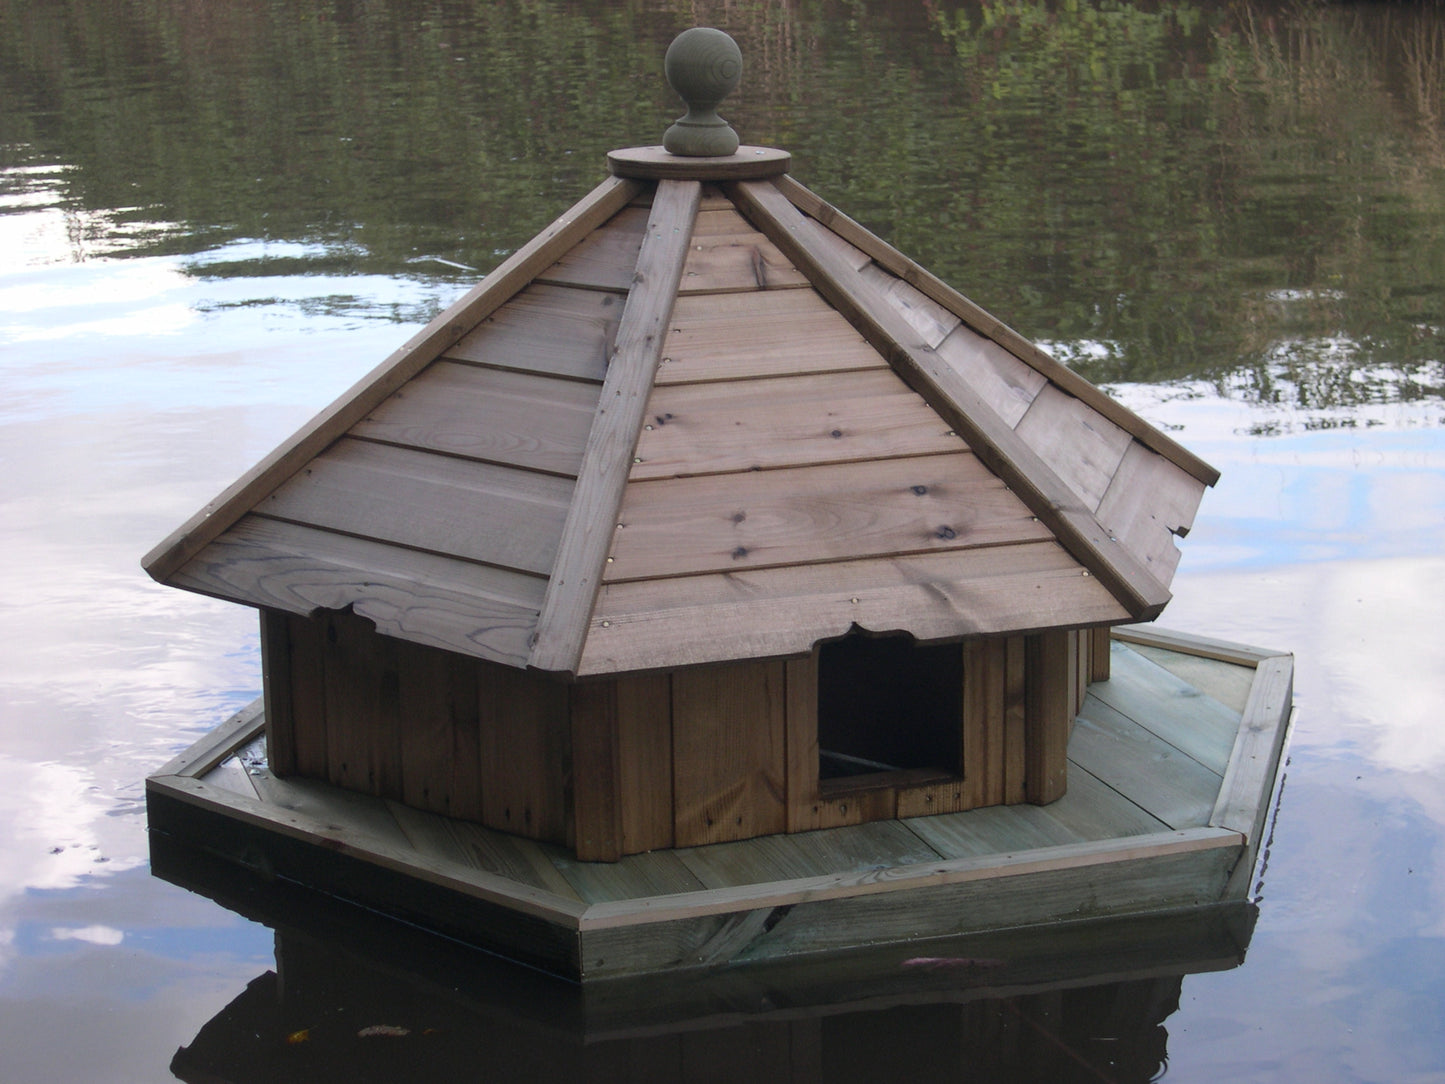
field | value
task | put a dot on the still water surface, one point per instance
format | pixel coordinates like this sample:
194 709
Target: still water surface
213 218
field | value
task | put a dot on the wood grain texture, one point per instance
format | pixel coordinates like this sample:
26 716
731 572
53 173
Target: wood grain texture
736 263
1248 782
526 753
277 688
552 330
596 773
604 259
1002 381
515 419
1148 503
655 163
592 517
307 641
783 422
363 706
479 512
1015 720
984 673
830 512
728 752
996 444
1083 448
1099 655
1189 644
1229 683
440 751
991 327
928 318
770 333
364 396
1048 714
686 620
474 609
644 742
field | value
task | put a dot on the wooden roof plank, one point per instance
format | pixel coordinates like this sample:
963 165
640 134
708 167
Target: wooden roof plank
994 442
790 421
1083 448
453 507
517 419
1003 381
592 517
784 611
991 327
557 330
473 609
827 512
354 404
736 263
1148 503
603 260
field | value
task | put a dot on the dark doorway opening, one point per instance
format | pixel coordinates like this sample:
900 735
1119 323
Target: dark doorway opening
886 704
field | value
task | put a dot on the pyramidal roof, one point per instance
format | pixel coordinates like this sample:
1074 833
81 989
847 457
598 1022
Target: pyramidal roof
704 416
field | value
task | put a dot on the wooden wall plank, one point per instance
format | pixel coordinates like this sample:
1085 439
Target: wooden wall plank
592 516
605 258
526 754
1046 726
556 330
1099 654
1005 453
984 673
516 419
306 638
736 263
644 744
354 404
481 512
728 752
758 519
441 754
474 609
596 772
278 689
1003 381
934 596
1015 720
789 421
836 222
363 706
1081 446
1148 503
808 334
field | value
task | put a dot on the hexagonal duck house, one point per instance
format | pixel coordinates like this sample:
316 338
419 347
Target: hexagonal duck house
706 516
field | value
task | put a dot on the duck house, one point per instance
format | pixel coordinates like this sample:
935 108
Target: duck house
706 517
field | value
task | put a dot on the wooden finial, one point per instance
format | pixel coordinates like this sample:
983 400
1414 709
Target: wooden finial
703 65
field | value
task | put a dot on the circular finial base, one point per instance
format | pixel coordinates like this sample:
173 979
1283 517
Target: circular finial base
703 65
659 164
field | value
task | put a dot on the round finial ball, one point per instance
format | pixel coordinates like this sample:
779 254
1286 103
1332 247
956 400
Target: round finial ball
703 65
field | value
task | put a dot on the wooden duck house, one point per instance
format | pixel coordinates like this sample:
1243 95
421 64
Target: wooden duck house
707 515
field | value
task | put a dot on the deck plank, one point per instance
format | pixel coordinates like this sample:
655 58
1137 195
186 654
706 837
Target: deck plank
332 806
232 775
807 854
634 876
788 421
1229 683
1169 707
827 512
1159 778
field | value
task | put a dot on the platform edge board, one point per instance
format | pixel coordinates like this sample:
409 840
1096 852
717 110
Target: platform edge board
217 744
1187 643
336 839
1192 878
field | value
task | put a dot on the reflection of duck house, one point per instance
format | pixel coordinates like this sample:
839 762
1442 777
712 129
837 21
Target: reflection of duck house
706 516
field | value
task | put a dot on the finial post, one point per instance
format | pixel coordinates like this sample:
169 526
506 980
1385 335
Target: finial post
703 66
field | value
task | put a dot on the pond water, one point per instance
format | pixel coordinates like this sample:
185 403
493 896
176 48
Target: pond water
214 217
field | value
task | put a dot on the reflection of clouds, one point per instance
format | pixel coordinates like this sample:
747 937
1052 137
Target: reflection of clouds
92 935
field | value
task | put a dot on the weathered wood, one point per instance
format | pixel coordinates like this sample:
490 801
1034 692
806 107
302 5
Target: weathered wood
364 396
928 318
636 876
644 748
789 421
1005 453
473 609
604 259
1004 382
1189 644
800 769
441 754
736 263
232 775
363 706
552 330
1046 723
1169 707
1148 503
1081 447
1154 774
655 163
784 611
715 337
1243 801
592 517
728 755
334 807
277 688
481 512
216 745
830 512
984 673
1099 654
1015 720
785 857
991 327
526 753
307 640
596 772
1229 683
515 419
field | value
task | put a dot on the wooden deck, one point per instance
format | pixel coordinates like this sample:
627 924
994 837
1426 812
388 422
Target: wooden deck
1172 766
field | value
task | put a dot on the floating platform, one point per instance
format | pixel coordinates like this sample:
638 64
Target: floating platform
1172 765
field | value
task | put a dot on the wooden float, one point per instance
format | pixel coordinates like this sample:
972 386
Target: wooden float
1172 766
712 537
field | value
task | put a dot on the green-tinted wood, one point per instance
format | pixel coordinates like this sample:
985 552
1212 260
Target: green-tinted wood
635 876
808 854
333 807
1229 683
1244 798
214 747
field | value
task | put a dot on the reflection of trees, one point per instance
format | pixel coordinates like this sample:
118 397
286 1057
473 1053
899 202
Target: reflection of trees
1250 194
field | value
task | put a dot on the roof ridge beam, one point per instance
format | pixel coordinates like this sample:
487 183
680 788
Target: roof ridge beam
496 288
991 327
592 516
1001 449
